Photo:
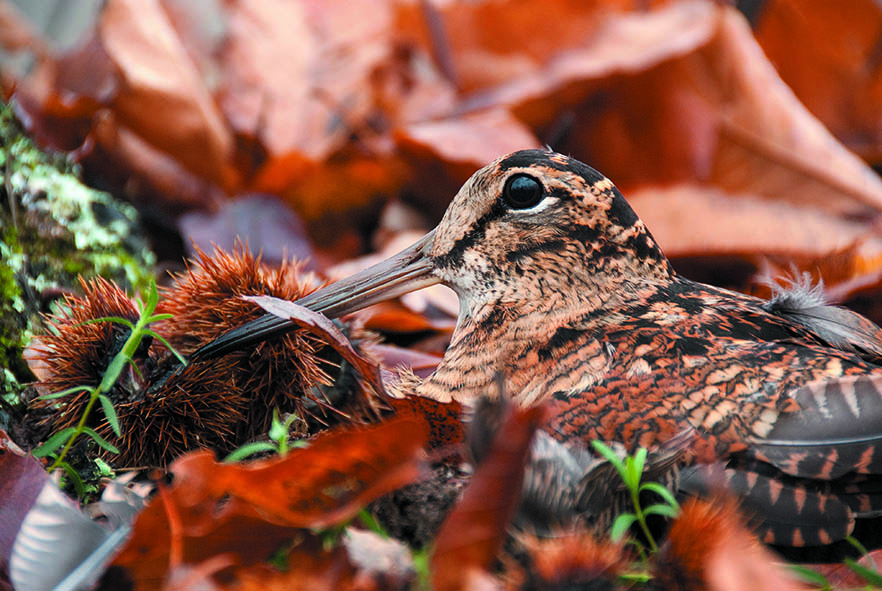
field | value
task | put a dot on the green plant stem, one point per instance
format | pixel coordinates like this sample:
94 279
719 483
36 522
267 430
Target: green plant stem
93 398
641 518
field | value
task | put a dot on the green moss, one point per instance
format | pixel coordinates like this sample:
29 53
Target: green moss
54 229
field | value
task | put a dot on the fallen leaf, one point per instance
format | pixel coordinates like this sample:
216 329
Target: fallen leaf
260 220
248 511
449 150
472 534
21 479
16 33
327 332
182 528
836 71
158 77
751 226
480 44
323 484
392 357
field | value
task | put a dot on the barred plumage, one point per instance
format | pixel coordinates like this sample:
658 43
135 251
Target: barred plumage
565 294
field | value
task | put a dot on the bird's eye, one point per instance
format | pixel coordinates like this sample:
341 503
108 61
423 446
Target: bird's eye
522 191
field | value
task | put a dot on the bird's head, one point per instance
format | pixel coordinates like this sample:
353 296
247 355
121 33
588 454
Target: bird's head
532 224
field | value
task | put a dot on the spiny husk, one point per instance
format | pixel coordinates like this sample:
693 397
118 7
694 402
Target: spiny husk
75 352
283 373
165 409
568 560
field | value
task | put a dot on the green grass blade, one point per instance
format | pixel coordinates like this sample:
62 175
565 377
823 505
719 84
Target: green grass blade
637 465
871 576
249 449
103 443
635 577
55 395
609 455
152 299
116 319
158 317
621 526
811 577
114 370
277 431
167 345
661 491
75 479
110 413
368 520
53 443
663 510
857 544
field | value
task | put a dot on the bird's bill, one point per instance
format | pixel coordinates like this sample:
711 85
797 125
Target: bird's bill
409 270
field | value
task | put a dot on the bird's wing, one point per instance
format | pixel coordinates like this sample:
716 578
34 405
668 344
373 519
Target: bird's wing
835 427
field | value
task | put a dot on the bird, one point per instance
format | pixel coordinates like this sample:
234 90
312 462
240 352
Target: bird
564 293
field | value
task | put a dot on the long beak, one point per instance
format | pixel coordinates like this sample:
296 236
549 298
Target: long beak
407 271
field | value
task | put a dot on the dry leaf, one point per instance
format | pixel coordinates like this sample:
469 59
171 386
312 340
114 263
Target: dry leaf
474 531
21 480
158 78
836 70
323 484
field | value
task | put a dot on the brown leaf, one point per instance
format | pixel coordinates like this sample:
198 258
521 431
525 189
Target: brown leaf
21 480
473 139
391 317
324 65
249 511
323 484
477 43
335 186
162 97
361 561
310 567
16 33
473 533
327 332
189 527
685 95
447 151
152 174
262 221
836 71
842 576
745 224
392 357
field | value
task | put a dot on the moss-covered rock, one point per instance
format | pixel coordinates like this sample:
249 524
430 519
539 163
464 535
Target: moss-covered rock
53 229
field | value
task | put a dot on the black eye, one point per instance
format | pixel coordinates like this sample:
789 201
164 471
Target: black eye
522 191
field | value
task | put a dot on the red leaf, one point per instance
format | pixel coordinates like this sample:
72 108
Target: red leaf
162 97
21 480
473 533
325 483
326 330
249 511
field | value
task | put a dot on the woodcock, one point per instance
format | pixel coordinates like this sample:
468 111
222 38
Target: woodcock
564 293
